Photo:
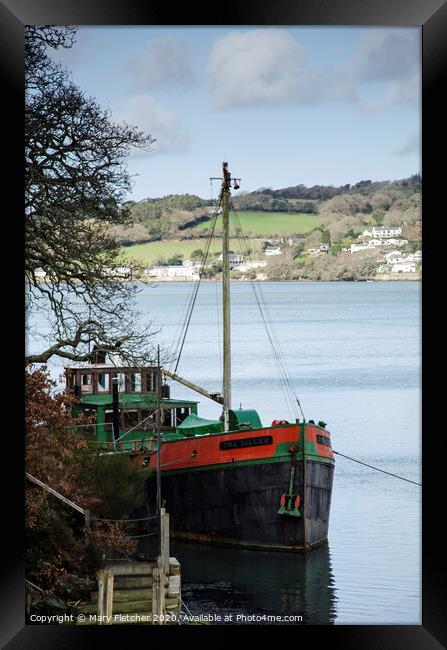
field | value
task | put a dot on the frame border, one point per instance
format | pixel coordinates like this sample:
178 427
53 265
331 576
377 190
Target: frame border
432 16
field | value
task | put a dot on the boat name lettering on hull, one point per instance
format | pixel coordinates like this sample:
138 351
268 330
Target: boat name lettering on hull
246 442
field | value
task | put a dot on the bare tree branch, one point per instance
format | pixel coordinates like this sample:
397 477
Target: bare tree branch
76 185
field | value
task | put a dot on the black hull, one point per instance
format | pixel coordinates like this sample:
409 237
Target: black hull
238 506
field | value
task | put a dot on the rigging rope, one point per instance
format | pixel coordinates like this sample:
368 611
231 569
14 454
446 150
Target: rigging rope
218 329
195 291
278 354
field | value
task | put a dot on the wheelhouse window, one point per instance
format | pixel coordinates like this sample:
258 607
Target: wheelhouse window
324 440
167 417
104 383
121 381
181 413
151 382
148 418
130 419
135 382
87 383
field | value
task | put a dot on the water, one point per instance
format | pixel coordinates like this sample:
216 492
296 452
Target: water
353 351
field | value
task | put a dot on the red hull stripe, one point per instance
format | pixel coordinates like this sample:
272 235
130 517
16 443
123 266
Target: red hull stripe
199 452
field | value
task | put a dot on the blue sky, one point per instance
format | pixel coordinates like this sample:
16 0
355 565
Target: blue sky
282 105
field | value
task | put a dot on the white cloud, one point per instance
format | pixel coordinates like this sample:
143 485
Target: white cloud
261 66
390 58
412 145
144 112
164 61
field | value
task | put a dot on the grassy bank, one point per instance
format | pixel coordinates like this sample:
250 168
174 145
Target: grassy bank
152 251
268 223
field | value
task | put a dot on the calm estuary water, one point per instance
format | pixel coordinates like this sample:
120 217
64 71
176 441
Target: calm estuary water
353 351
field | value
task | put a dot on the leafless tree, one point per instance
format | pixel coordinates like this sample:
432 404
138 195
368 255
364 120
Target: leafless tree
76 185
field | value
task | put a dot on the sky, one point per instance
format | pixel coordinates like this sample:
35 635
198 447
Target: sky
283 105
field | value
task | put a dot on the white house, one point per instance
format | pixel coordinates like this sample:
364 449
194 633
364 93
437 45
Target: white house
120 272
394 256
324 248
248 266
383 232
359 247
272 250
403 267
397 242
366 233
235 259
188 271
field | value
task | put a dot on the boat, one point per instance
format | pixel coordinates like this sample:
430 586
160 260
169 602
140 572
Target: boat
231 482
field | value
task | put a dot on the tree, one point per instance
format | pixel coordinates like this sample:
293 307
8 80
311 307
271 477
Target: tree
197 254
326 237
378 217
175 260
58 455
75 188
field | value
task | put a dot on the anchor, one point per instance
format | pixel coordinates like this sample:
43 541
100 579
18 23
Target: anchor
290 501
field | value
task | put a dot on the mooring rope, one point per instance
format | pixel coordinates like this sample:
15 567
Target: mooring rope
377 468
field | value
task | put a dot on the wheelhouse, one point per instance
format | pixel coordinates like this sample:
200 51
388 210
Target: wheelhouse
92 384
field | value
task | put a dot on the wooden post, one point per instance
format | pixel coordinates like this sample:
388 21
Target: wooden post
87 527
108 597
158 596
29 602
304 487
115 407
163 558
101 580
158 431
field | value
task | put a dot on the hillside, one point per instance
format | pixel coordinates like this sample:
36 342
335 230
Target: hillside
179 224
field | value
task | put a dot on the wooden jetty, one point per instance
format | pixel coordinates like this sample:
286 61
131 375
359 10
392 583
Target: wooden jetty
137 592
133 593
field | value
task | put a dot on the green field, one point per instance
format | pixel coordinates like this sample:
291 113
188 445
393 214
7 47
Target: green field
268 223
152 251
261 224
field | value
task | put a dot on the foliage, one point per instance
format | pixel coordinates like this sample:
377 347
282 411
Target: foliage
117 483
58 455
335 249
378 217
326 237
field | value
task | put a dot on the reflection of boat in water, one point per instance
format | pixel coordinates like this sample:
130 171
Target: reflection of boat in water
225 580
232 481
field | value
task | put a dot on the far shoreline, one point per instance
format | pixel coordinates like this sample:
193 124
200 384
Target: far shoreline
382 278
387 278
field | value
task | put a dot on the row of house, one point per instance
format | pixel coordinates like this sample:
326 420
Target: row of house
187 271
398 263
377 243
191 270
379 238
383 232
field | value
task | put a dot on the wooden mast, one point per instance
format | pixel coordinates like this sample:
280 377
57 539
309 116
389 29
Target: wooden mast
226 180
